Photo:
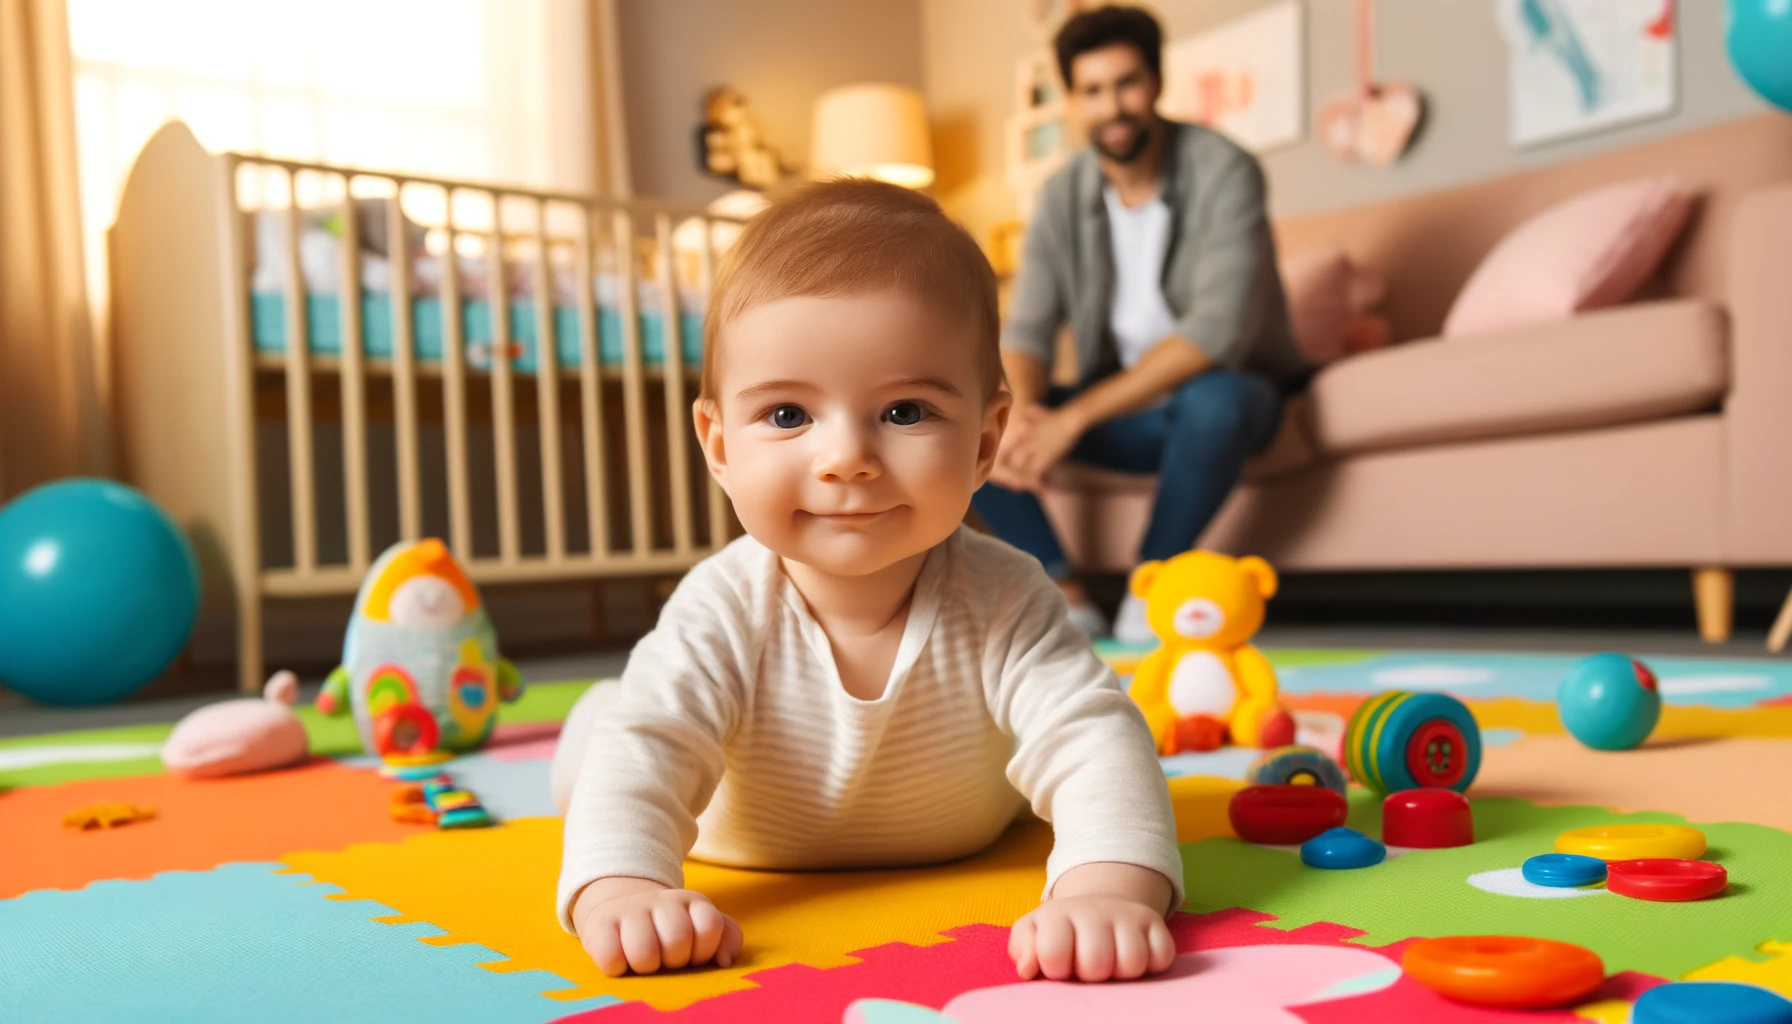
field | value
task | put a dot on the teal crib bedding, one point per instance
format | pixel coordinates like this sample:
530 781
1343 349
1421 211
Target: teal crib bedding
323 325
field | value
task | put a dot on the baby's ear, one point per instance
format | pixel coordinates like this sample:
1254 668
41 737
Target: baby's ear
1143 577
989 442
707 419
1262 573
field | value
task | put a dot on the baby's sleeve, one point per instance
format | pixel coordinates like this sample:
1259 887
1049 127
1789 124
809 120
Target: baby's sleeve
655 756
1083 756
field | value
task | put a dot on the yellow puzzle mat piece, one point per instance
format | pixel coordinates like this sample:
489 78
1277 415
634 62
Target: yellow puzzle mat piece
1775 972
495 887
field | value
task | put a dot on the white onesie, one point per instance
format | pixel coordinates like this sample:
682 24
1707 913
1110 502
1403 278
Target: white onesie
732 739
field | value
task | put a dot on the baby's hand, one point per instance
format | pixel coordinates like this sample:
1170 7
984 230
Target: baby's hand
1093 938
1104 920
632 924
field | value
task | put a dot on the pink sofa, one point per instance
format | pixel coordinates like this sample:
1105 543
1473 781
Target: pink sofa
1655 434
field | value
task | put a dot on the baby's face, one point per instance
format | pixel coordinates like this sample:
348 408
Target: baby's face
852 430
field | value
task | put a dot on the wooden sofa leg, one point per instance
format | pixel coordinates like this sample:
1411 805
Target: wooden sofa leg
1713 592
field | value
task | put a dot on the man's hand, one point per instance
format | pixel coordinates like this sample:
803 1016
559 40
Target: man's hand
1046 436
1103 921
633 924
1021 422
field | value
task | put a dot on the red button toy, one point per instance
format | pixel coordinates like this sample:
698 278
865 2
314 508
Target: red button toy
1666 879
1279 815
1426 819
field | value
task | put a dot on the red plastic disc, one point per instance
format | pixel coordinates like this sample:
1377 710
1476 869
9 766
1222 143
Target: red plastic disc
1279 815
1666 879
1437 754
1427 819
405 729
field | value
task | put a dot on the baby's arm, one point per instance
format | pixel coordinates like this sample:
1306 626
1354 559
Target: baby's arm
1084 758
653 761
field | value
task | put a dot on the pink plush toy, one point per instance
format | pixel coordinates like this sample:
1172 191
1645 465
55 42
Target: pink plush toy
245 735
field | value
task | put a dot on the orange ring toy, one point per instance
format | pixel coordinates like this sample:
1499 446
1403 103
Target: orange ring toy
1504 970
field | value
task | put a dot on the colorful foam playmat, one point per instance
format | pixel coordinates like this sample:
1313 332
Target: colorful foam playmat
293 895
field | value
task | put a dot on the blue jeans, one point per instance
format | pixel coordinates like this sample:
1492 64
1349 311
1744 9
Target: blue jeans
1197 443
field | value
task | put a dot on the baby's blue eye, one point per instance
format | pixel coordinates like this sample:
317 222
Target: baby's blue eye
788 417
905 414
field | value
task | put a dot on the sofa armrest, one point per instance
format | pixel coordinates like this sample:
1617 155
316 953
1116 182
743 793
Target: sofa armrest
1758 409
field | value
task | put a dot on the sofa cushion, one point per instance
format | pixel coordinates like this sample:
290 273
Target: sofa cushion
1604 368
1590 252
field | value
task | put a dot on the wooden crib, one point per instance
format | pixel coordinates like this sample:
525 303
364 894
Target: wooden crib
620 489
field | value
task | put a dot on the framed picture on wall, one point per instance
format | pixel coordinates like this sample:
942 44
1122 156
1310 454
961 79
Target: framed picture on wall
1578 66
1246 78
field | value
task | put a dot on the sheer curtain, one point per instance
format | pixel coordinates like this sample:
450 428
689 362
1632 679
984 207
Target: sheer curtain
491 90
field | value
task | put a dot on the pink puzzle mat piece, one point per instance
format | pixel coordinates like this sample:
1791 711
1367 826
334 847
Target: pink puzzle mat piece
524 741
973 970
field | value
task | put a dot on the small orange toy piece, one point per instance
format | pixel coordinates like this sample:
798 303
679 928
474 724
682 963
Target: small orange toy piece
1507 971
409 807
106 816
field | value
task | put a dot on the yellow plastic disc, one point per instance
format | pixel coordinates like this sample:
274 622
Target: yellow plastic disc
1633 842
417 760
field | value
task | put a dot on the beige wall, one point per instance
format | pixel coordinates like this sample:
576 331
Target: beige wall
781 53
1452 49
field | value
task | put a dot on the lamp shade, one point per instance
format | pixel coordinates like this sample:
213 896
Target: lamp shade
873 131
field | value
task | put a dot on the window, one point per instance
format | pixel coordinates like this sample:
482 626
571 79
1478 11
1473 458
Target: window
488 90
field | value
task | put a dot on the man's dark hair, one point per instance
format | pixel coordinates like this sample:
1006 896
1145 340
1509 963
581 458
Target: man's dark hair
1104 26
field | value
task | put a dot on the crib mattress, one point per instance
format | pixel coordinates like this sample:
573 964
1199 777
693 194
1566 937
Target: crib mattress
323 328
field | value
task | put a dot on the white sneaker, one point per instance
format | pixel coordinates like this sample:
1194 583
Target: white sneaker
1130 626
1089 619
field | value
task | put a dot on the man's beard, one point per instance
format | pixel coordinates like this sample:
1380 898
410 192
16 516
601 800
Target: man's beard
1141 138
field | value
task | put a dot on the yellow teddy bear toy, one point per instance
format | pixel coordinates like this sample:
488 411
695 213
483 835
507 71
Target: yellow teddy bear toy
1206 685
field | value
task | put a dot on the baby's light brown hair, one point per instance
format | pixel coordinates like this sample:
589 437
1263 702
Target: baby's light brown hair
847 236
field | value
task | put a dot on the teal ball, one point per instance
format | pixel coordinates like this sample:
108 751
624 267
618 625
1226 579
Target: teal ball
1609 702
1758 38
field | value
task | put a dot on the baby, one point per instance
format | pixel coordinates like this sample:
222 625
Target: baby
860 681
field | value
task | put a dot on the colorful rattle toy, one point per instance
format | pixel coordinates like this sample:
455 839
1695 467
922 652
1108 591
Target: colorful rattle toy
1400 740
1206 685
420 666
441 802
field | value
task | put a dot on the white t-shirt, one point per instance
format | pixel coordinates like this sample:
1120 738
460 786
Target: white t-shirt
733 740
1141 237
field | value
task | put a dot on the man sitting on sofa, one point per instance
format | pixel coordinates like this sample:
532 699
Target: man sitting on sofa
1153 244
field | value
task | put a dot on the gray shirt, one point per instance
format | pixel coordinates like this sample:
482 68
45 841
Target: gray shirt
1219 278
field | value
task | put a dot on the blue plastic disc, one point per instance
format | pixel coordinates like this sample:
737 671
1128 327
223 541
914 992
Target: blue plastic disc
1341 849
1564 870
1710 1002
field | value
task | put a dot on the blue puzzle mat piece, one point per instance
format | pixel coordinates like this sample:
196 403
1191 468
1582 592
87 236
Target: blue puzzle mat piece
1738 683
241 943
508 790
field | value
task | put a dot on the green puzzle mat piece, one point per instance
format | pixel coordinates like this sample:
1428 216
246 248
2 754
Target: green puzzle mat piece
1426 893
328 736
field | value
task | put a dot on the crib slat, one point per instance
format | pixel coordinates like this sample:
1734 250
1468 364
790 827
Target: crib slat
678 421
404 377
354 386
591 393
301 468
454 395
503 398
634 401
547 390
706 280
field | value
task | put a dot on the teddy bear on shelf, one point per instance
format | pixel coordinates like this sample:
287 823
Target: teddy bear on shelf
1206 685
